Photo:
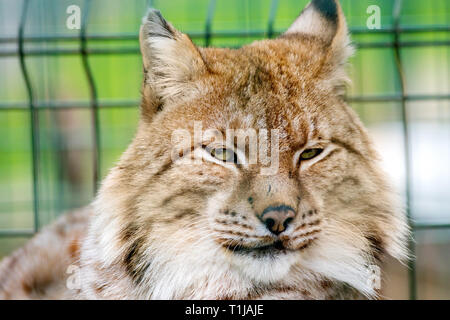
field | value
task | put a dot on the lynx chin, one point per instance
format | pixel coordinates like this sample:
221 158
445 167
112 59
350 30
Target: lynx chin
164 228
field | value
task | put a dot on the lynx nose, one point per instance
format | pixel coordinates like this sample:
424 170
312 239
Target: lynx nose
277 218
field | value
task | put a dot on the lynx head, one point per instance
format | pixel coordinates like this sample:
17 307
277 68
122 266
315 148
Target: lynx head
248 169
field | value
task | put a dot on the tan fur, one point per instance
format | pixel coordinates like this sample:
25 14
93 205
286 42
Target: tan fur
39 269
168 229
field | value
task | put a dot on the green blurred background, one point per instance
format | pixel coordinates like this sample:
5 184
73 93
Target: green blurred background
64 130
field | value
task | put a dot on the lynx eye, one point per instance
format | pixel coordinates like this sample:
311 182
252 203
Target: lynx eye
310 153
224 154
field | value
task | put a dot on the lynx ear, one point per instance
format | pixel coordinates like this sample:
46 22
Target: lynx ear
171 61
325 20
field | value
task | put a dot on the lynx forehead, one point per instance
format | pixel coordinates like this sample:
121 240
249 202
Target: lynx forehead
218 228
316 227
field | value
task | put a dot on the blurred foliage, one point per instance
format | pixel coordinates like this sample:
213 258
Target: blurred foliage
65 170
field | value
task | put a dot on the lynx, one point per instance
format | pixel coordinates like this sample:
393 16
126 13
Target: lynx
164 226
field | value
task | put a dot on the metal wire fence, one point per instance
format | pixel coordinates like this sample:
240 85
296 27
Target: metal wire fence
394 36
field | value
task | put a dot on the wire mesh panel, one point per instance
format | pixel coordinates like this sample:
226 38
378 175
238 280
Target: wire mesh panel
69 99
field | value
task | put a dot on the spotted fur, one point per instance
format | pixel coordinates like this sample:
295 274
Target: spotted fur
166 229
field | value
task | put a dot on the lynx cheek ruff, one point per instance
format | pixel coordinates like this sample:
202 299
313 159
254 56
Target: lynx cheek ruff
248 178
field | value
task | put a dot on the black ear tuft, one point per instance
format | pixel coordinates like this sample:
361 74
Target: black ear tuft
325 20
171 61
327 8
321 18
157 26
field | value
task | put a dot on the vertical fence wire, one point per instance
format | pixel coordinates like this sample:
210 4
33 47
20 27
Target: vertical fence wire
93 98
34 116
33 106
208 23
407 148
271 20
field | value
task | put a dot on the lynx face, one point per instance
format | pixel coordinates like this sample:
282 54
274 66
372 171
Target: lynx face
313 207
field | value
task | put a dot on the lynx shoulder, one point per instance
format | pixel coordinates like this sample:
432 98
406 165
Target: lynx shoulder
248 178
